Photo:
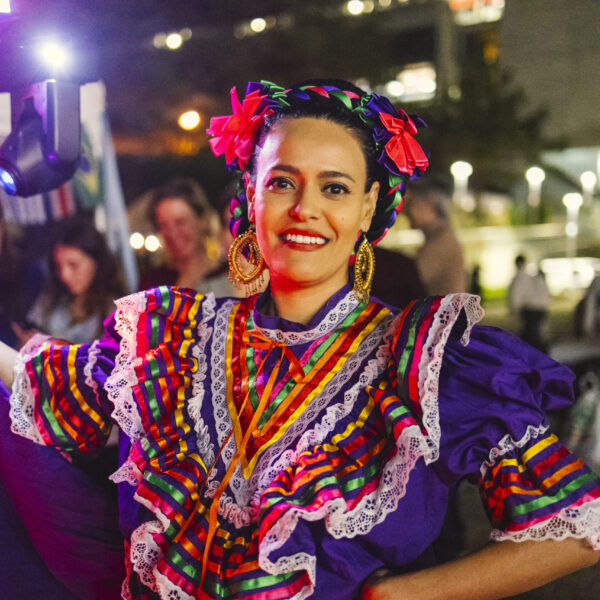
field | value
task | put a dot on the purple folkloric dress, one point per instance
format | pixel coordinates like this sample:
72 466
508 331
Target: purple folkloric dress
338 441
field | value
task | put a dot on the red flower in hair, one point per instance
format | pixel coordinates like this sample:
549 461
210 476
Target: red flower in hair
234 135
402 148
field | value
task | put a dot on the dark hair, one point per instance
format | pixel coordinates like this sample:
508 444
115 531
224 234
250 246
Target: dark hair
107 283
186 189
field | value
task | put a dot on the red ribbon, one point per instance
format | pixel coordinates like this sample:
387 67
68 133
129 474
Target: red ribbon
402 148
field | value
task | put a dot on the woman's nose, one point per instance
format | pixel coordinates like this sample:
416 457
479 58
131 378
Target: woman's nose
307 204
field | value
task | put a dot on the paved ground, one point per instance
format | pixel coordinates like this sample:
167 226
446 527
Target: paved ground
584 585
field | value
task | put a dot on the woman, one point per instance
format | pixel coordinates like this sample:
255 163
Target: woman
84 282
295 443
189 228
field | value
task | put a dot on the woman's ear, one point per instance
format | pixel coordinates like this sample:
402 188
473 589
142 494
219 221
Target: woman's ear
250 192
369 205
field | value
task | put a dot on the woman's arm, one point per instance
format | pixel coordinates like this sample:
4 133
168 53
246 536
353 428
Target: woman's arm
7 363
499 570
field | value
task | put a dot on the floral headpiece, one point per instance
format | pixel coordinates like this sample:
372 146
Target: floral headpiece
392 131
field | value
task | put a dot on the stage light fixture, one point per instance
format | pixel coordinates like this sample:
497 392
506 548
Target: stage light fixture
43 149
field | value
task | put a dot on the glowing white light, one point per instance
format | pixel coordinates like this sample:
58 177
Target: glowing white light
571 229
588 180
136 240
258 25
461 169
189 120
426 85
355 7
5 6
152 243
573 200
394 88
535 175
54 55
173 41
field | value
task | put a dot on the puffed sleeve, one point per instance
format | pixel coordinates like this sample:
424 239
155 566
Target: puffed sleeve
494 396
59 397
482 395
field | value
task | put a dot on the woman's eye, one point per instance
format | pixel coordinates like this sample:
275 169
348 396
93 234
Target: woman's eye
279 183
336 189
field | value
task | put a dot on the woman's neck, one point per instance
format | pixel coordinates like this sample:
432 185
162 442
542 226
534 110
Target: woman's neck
301 304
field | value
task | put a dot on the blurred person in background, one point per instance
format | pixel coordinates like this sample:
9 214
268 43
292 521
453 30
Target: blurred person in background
440 259
20 283
588 324
189 229
67 554
529 298
84 281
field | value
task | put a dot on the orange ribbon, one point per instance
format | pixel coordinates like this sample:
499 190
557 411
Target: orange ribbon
257 340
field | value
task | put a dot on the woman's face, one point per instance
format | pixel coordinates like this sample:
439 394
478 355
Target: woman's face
309 202
75 268
180 227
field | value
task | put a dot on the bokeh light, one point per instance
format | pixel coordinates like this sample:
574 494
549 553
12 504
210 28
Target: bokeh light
355 7
173 41
189 120
136 240
258 25
152 243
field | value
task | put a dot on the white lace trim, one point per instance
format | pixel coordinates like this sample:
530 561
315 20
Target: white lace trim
508 444
119 384
430 365
331 320
22 400
128 472
91 363
581 522
205 446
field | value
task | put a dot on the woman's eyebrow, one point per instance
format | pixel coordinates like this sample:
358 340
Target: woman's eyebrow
327 174
322 174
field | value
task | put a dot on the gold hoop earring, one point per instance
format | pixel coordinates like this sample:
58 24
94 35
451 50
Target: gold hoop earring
244 252
364 268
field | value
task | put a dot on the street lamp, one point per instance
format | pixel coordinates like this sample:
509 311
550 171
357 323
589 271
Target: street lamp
572 202
588 185
535 176
461 171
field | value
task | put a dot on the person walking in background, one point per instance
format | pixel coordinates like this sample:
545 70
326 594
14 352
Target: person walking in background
440 259
529 298
589 323
84 281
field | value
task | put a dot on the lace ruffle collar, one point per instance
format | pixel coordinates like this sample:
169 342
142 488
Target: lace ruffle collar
329 316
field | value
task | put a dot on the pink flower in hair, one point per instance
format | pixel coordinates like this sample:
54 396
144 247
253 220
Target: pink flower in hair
234 135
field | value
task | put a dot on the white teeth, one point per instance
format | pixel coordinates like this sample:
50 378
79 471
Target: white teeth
304 239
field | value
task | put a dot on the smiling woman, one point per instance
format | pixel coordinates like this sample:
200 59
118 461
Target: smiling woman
304 442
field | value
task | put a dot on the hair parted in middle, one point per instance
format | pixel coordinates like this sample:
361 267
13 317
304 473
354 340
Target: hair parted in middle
385 136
